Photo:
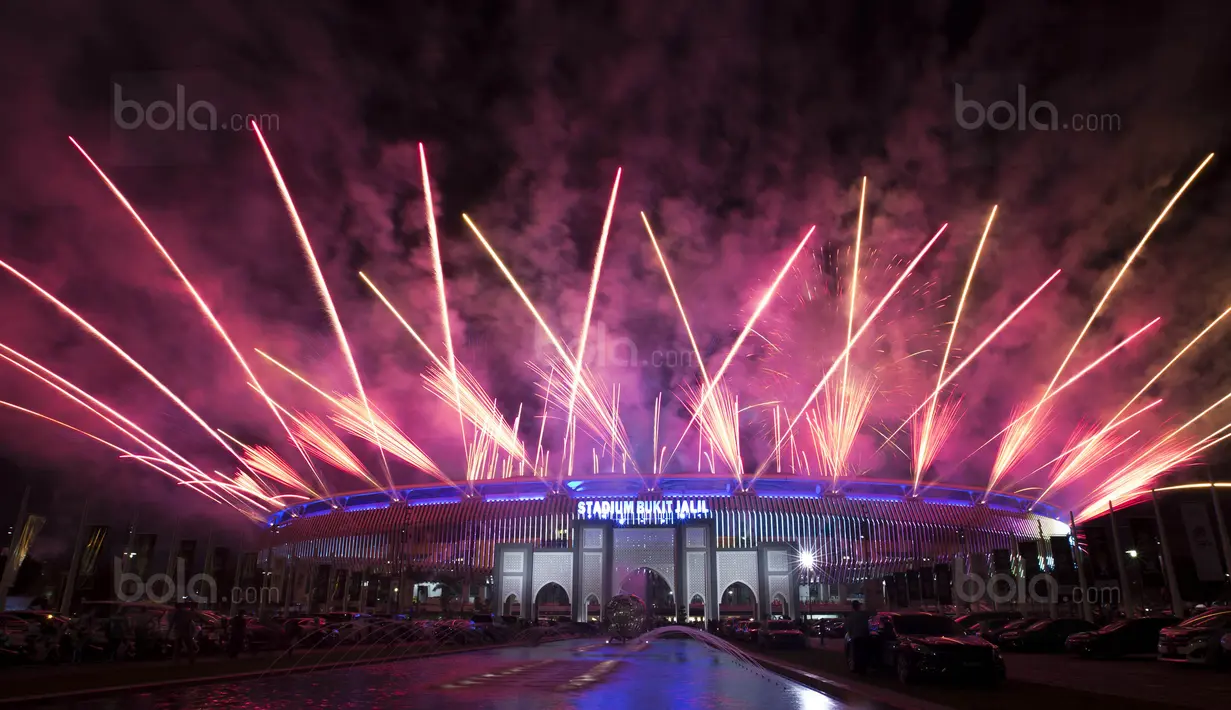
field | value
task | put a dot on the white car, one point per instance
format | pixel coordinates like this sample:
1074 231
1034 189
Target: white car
1196 640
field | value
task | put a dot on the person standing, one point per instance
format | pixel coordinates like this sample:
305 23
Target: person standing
239 630
857 632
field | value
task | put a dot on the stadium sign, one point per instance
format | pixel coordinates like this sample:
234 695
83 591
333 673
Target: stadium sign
657 512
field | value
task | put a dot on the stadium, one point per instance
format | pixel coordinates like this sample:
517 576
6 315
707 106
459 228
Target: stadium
695 545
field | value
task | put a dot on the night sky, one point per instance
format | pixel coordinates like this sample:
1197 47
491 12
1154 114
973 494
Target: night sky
737 125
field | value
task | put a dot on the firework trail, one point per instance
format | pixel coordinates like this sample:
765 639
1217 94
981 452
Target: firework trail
322 443
835 423
675 294
463 392
1157 375
928 436
154 462
598 416
352 415
326 299
1086 450
438 274
850 319
561 351
1131 481
1110 426
921 440
269 464
579 362
708 390
718 419
855 338
974 353
80 397
1023 419
1098 308
475 406
197 298
1029 427
89 328
1167 452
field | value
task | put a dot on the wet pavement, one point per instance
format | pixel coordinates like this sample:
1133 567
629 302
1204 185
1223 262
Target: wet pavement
585 674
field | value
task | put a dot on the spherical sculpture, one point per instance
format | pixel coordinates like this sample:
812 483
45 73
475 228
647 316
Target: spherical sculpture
626 616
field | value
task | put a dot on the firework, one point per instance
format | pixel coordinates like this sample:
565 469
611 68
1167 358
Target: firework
855 338
578 362
268 463
835 423
322 443
326 299
708 390
597 415
1098 308
350 415
475 406
1027 430
928 436
836 413
718 419
196 297
89 328
1087 449
923 447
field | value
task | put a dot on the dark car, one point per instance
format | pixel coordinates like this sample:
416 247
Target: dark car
967 621
918 645
747 630
1120 638
1045 635
994 634
780 634
1196 640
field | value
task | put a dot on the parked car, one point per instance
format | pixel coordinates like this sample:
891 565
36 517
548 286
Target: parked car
994 634
1120 638
1196 640
966 621
747 630
312 631
1226 644
780 634
917 644
1045 635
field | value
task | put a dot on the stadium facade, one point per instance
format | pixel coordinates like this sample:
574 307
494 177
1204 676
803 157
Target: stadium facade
783 547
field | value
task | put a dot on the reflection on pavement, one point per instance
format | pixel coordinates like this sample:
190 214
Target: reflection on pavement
577 674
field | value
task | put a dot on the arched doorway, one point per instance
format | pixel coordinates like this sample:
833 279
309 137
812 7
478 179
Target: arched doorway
778 607
653 588
696 608
738 600
594 610
512 606
551 601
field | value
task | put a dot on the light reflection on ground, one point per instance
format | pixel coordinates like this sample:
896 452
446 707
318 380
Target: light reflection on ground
579 674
